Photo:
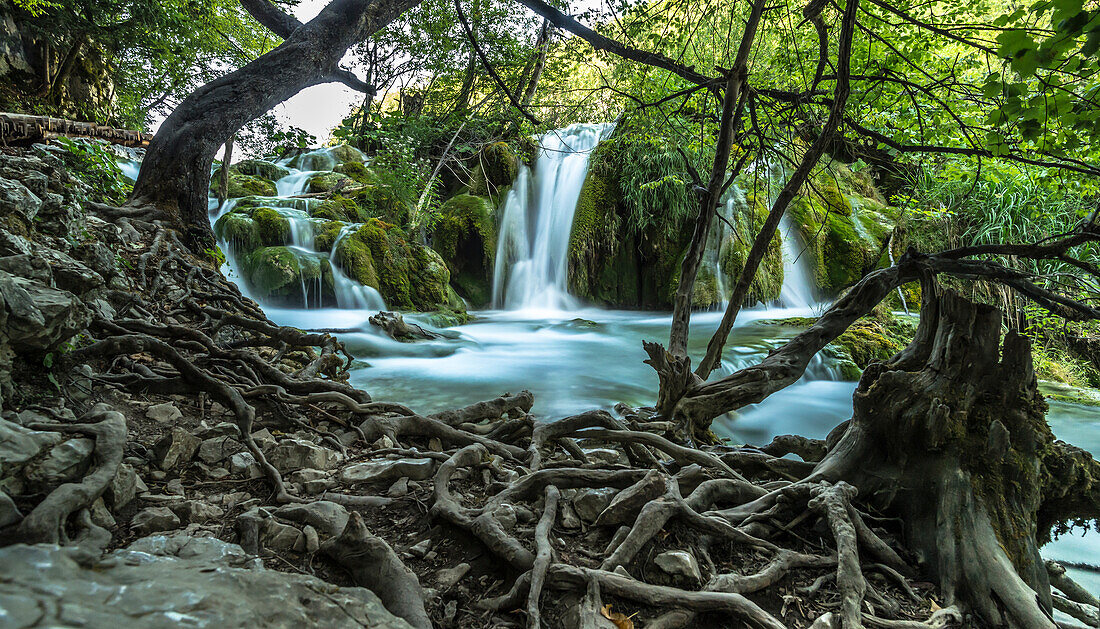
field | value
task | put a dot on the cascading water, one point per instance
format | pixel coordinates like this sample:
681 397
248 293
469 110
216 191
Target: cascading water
537 220
798 287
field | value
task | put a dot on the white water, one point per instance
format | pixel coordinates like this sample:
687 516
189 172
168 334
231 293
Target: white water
798 286
537 220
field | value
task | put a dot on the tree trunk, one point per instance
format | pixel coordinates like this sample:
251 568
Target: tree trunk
176 170
950 437
542 44
223 183
462 103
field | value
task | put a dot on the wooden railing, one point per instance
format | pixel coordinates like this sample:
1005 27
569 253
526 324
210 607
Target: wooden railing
20 128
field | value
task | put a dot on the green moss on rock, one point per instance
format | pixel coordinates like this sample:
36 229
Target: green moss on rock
378 201
260 168
464 235
497 166
278 274
339 208
271 228
237 229
357 171
241 185
325 234
327 182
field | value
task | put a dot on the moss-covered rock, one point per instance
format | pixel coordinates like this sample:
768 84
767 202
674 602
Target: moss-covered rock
327 182
357 171
241 185
271 228
464 234
409 276
734 251
345 154
237 229
339 208
260 168
379 201
497 166
281 275
325 235
875 337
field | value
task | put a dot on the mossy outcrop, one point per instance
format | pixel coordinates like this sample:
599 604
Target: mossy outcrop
251 227
496 167
281 275
464 235
328 181
409 276
242 185
876 337
735 247
256 168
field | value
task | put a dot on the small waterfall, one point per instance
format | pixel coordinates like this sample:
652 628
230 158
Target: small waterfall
295 183
349 293
798 287
531 269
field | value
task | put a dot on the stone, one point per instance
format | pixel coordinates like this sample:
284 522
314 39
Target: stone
281 537
165 413
171 581
567 517
319 486
196 511
421 548
244 464
678 563
154 519
312 539
388 470
626 504
399 488
29 266
19 445
217 449
70 274
589 503
175 487
506 515
15 198
9 513
295 454
327 517
67 461
122 488
449 577
264 439
176 449
607 456
101 515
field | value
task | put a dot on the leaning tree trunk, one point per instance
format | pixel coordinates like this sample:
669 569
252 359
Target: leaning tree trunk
950 436
175 173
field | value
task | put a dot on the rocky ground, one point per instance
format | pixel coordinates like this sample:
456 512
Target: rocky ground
168 456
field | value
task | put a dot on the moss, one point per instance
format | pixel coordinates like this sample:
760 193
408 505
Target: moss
327 182
247 185
239 230
325 234
345 154
377 201
707 292
271 228
594 249
448 318
464 234
260 168
497 166
875 337
357 171
339 208
270 270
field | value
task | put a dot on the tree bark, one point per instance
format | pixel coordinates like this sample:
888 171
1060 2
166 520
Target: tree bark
542 44
176 169
223 183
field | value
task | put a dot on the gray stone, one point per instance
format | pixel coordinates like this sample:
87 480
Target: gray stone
607 456
624 508
244 464
15 198
196 511
312 539
506 515
175 487
153 520
19 445
175 581
567 517
589 503
165 413
101 515
421 548
327 517
449 577
388 470
123 487
320 486
70 274
176 449
678 563
294 454
30 266
263 438
281 537
399 488
9 513
217 449
35 316
65 462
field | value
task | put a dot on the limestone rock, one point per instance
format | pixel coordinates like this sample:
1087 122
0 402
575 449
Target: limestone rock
196 511
154 519
388 470
166 413
217 449
567 517
244 464
9 513
19 445
678 563
123 487
624 507
295 454
448 577
589 503
67 461
281 537
176 448
327 517
15 198
172 581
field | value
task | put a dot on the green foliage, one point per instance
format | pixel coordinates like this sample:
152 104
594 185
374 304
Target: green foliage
93 162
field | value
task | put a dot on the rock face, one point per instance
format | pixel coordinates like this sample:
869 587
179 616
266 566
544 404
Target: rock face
175 581
464 234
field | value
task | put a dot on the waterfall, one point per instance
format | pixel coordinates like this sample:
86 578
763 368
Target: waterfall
798 287
531 269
